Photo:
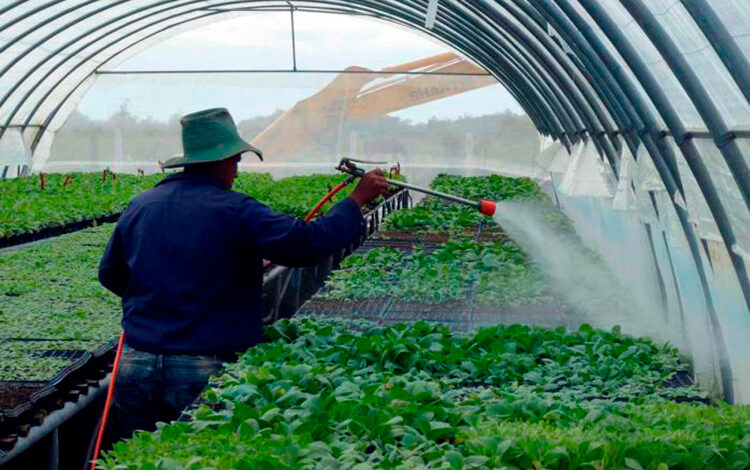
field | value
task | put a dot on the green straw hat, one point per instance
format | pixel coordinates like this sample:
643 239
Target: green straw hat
209 136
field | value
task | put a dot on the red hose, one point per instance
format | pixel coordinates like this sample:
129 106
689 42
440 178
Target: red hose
326 198
320 204
108 402
111 389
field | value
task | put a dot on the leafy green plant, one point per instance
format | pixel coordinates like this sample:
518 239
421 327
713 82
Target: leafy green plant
74 197
67 198
498 272
436 215
337 394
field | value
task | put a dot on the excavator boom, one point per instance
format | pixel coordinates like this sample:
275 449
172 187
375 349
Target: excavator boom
359 93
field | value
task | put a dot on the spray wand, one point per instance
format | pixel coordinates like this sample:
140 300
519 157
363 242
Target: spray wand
485 206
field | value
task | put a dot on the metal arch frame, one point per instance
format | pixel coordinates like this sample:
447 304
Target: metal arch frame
163 19
656 94
621 83
591 90
526 71
120 17
41 23
181 13
566 112
619 107
23 15
723 43
61 80
68 44
90 43
613 97
547 58
576 80
125 37
52 54
124 15
722 134
569 19
542 79
11 6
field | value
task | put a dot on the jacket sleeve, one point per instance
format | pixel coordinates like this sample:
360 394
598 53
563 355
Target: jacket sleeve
293 242
114 273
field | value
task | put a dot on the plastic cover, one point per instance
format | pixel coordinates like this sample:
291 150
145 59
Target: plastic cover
624 196
703 58
587 175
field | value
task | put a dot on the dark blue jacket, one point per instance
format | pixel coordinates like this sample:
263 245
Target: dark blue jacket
187 259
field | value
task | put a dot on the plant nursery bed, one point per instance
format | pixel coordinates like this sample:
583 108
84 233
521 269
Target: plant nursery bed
350 394
56 230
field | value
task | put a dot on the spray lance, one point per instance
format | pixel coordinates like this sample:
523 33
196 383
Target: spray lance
485 206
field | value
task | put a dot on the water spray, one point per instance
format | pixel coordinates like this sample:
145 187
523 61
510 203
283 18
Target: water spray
485 206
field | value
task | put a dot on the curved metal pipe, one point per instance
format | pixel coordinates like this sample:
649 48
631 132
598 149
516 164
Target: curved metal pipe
595 95
723 43
593 125
528 71
112 43
698 94
653 89
627 118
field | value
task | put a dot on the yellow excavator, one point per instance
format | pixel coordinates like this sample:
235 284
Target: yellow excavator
359 94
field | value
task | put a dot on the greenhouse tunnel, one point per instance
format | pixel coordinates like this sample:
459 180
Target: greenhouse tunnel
642 109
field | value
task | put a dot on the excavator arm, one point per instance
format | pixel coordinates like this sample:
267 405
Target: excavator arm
359 94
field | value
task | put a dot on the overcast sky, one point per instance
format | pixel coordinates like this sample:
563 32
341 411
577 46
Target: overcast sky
263 42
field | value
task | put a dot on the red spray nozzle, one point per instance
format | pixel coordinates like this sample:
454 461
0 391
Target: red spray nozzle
487 207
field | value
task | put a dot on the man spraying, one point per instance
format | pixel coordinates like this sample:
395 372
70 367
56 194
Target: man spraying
187 259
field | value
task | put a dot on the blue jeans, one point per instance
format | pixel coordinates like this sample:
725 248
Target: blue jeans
156 387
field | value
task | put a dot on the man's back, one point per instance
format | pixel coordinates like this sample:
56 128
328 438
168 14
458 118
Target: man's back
187 258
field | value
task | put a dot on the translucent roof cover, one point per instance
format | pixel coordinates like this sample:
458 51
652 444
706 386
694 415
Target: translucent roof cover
640 102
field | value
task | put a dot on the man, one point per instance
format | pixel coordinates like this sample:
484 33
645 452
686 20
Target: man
187 259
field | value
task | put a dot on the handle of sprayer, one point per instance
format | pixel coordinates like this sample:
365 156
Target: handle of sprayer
347 166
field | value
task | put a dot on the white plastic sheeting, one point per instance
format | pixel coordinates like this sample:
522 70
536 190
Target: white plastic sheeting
587 175
15 154
624 196
696 49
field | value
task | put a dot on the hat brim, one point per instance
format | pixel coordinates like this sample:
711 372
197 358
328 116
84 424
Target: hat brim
213 155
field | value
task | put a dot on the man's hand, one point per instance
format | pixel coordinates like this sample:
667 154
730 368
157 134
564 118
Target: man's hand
370 186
